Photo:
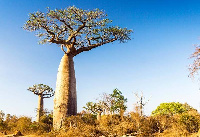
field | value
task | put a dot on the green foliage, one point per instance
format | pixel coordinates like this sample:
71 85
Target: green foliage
190 122
176 119
110 103
118 101
41 89
171 108
81 28
23 124
93 108
89 119
12 123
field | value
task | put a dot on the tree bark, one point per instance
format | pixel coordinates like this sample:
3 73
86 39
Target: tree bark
40 107
121 114
99 116
65 100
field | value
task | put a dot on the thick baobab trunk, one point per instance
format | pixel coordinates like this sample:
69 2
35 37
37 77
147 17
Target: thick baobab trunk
40 107
65 102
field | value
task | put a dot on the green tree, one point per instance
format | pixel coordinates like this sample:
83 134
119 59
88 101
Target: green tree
94 108
113 103
74 30
42 91
118 102
171 108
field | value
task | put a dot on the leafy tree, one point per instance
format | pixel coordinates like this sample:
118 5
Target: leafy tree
42 91
95 108
109 103
113 103
118 102
74 30
171 108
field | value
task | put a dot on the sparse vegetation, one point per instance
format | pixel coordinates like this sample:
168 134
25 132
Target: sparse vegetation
75 30
178 123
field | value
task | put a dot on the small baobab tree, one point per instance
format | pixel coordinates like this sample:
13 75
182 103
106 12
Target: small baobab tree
94 108
75 31
42 91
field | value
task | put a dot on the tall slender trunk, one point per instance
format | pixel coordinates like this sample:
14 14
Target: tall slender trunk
99 116
122 114
40 107
65 100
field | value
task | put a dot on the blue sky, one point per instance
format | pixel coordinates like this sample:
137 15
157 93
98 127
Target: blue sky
155 61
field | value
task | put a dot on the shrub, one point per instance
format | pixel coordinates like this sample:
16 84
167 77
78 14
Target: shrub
23 124
191 122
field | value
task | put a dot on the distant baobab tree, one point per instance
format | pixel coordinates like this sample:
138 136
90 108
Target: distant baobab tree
43 91
75 31
195 66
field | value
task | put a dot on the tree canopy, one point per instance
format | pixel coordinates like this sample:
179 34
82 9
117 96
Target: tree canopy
41 89
93 107
75 29
108 104
118 101
171 108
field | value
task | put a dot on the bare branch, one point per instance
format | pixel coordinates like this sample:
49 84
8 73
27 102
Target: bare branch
63 21
63 49
94 46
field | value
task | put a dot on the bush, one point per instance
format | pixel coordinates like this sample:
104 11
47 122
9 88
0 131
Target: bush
191 122
23 124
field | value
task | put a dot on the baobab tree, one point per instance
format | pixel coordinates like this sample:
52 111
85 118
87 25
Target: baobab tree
94 108
42 91
195 66
75 31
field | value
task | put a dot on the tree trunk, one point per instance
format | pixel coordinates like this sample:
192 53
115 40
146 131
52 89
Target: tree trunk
122 114
65 101
40 107
99 116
